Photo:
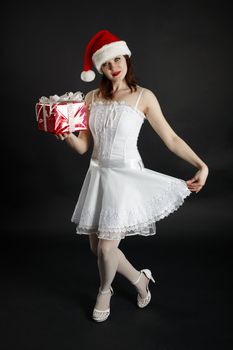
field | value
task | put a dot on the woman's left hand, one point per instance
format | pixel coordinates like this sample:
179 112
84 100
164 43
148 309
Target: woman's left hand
196 183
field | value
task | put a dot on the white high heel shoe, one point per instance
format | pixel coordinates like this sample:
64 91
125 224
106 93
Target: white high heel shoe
142 302
102 315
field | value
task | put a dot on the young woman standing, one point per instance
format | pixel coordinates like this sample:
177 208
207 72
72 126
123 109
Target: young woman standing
119 196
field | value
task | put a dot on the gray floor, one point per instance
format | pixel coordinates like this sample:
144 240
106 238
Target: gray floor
50 281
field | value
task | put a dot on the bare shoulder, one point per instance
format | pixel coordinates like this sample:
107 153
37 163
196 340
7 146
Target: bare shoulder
148 95
148 100
156 118
89 95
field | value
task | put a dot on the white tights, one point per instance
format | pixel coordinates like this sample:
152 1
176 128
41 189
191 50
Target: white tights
111 259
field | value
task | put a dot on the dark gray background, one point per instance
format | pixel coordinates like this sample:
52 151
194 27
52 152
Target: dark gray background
182 51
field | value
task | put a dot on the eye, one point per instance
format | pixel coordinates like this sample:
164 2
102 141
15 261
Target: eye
117 59
104 65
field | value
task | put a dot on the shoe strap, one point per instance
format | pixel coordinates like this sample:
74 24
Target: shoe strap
138 278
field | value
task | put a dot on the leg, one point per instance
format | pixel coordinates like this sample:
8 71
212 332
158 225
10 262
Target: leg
124 267
94 241
107 264
107 261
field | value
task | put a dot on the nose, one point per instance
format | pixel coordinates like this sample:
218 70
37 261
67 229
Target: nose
112 65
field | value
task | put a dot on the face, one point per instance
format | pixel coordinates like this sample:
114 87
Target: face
115 69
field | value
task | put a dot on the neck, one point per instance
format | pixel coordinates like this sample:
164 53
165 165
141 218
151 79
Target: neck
119 85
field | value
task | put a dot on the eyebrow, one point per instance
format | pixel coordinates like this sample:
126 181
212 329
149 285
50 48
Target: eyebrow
111 59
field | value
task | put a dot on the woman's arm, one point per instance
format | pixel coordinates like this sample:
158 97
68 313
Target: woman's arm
82 142
173 142
178 146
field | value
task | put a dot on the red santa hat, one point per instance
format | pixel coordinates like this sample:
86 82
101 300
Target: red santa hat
102 47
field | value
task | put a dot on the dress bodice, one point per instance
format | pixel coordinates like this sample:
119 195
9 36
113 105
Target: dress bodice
115 127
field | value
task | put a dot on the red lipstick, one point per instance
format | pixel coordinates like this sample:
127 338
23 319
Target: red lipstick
115 73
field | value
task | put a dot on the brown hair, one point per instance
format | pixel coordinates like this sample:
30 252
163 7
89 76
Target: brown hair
105 87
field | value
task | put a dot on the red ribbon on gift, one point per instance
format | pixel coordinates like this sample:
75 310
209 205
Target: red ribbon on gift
61 117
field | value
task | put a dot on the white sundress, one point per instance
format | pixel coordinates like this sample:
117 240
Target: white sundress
119 196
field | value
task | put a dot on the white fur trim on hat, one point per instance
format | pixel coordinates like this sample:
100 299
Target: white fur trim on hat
109 51
88 75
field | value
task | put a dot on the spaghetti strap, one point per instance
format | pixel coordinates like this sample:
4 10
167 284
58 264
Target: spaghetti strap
138 99
93 93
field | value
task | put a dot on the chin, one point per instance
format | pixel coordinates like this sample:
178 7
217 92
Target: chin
119 77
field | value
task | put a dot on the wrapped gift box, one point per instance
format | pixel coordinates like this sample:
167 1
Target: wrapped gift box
61 114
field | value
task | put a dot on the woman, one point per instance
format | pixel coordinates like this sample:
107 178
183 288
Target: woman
119 196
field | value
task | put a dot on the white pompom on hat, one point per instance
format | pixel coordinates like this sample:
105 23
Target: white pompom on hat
102 47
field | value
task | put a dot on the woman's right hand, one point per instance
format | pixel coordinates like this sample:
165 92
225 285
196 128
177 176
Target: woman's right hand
62 137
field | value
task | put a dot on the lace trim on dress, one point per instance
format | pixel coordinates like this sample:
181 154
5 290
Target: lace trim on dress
172 198
116 103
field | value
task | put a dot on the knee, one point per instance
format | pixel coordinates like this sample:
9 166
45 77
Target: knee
104 249
94 250
93 240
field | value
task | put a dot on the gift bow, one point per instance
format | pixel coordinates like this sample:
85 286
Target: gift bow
68 96
55 99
